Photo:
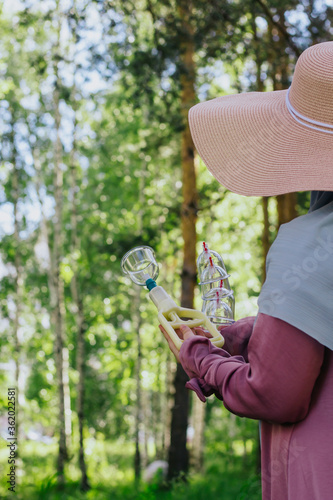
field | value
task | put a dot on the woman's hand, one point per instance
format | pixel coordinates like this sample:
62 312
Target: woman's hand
184 333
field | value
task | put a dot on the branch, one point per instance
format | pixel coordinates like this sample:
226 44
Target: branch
150 9
280 27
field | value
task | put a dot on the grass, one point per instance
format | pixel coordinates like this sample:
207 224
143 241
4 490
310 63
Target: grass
111 476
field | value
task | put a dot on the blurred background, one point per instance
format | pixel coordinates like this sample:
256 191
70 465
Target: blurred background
96 158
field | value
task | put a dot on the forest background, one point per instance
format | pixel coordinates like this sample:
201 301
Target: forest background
96 157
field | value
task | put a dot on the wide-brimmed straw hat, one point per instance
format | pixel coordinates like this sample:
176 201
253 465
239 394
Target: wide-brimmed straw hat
269 143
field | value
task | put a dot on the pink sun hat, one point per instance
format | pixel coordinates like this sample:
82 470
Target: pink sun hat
270 143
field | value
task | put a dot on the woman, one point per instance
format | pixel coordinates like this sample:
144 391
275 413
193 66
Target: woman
278 367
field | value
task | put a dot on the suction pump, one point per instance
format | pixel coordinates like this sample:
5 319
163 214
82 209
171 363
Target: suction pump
141 266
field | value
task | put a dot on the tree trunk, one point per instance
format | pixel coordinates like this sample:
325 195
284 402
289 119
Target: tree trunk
80 366
56 311
159 410
79 316
56 304
62 455
198 419
170 391
65 372
138 413
75 282
146 426
265 235
18 286
178 454
155 421
257 45
260 87
286 203
58 285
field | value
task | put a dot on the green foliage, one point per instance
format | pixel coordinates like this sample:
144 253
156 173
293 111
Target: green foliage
110 463
119 67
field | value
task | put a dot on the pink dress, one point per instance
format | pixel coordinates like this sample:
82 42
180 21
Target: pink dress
274 372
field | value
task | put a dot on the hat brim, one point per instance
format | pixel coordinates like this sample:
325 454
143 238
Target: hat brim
254 147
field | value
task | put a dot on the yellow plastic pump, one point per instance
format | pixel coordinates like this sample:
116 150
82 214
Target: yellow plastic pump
141 266
172 316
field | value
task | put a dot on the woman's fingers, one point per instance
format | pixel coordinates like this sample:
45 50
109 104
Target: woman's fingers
172 346
199 330
162 329
222 327
183 332
186 332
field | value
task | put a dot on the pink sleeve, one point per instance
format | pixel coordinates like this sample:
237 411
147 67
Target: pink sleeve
237 336
275 384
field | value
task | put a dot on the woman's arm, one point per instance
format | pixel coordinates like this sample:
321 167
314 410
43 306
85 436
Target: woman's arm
237 336
275 384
